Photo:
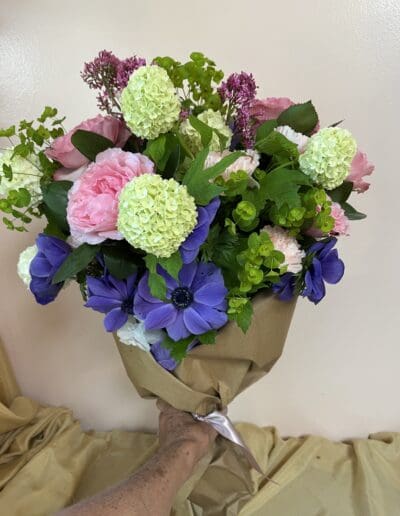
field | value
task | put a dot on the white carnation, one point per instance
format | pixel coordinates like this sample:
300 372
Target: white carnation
25 174
298 139
133 333
24 263
247 163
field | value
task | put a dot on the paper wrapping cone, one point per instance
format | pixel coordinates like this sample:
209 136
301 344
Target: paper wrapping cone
211 376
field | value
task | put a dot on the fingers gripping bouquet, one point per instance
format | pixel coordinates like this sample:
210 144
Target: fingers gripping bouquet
191 213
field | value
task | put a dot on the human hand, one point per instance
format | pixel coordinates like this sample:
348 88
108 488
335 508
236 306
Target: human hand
178 430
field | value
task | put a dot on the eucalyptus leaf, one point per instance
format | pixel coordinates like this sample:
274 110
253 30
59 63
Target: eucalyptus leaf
55 199
76 262
90 144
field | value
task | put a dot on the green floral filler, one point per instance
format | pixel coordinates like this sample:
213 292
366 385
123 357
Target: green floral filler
156 214
149 102
328 156
213 119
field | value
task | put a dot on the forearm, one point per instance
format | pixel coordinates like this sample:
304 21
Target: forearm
150 491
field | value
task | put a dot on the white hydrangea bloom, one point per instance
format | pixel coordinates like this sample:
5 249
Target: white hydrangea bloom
133 333
298 139
24 262
26 174
213 119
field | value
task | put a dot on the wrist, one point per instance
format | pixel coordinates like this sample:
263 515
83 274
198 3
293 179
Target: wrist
184 452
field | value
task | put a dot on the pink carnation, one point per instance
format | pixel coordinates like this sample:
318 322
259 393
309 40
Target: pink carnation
341 226
269 108
287 245
64 152
92 210
360 167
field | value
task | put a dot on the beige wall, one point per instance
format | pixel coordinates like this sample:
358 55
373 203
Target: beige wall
339 375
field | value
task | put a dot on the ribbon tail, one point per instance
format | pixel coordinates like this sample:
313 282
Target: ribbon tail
224 426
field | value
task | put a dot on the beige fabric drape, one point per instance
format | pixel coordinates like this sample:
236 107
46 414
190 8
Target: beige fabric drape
48 462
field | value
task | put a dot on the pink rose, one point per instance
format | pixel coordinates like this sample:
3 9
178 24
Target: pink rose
360 167
92 209
269 108
64 152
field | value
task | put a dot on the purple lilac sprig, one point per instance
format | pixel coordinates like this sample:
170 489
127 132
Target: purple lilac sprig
239 90
110 75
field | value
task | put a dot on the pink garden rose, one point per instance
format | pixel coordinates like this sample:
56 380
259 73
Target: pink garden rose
360 167
269 108
64 152
92 209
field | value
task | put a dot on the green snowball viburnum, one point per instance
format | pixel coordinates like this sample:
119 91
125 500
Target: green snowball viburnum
328 156
213 119
156 214
149 102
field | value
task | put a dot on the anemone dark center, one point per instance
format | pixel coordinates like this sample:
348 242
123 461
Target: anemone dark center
127 306
181 297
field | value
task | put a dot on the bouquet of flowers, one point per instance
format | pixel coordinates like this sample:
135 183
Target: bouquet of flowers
187 209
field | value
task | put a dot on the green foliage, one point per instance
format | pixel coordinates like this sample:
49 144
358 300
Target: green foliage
277 145
157 285
119 261
240 310
264 130
301 117
237 184
55 199
282 186
342 192
196 79
208 338
32 138
245 215
178 349
75 262
90 144
351 213
198 180
172 265
165 151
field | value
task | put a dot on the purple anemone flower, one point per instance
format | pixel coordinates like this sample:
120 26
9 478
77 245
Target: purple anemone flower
162 355
113 297
206 214
195 304
326 266
51 254
285 288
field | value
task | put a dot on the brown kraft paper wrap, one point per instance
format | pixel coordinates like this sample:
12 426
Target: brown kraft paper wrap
211 376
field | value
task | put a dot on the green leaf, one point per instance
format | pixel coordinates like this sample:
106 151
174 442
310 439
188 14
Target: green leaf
301 117
76 262
157 284
165 151
282 186
351 213
7 171
20 198
55 199
90 144
265 129
48 112
172 265
203 129
244 316
118 262
276 144
208 338
7 133
177 349
342 192
173 162
197 180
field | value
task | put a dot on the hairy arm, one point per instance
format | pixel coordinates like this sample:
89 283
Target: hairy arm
152 489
